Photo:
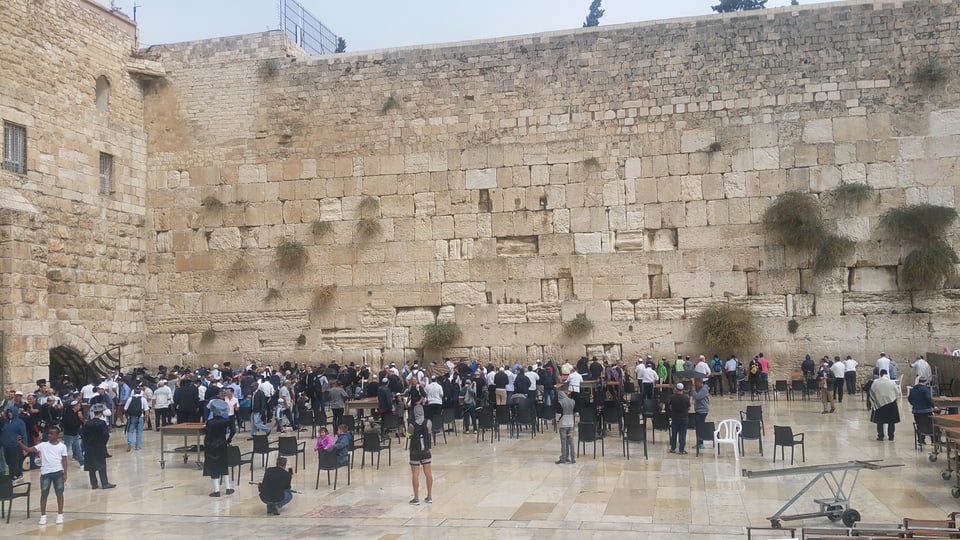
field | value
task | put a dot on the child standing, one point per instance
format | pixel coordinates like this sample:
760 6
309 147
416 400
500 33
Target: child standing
53 470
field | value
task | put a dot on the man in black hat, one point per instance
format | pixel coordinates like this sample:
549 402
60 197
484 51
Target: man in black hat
95 435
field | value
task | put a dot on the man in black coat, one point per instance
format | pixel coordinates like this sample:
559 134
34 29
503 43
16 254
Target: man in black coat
95 435
187 402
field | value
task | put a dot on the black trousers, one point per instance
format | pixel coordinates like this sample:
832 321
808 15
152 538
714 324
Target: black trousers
103 477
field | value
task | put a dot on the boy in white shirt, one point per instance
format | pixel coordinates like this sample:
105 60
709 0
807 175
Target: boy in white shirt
53 470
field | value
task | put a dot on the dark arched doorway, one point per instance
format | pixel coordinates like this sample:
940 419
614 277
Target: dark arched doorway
66 361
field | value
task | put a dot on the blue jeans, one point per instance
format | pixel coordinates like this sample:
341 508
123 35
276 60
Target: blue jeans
287 497
549 395
55 479
678 430
700 418
567 451
135 424
73 443
256 424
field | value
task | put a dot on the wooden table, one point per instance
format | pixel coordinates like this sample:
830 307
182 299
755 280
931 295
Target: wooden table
946 402
186 430
952 436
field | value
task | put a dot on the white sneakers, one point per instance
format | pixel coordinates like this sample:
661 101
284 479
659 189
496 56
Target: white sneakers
43 519
59 519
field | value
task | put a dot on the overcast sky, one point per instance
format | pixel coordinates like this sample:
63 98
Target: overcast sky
378 24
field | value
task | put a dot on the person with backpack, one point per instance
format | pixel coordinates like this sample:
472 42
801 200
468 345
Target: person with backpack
135 407
468 399
259 409
753 375
420 440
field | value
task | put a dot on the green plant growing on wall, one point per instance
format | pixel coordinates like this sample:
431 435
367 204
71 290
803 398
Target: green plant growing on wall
929 266
591 163
852 192
301 340
578 326
291 255
793 326
369 206
725 327
238 268
322 296
715 146
272 294
212 203
794 218
933 260
390 104
931 72
320 228
441 335
208 336
368 228
831 252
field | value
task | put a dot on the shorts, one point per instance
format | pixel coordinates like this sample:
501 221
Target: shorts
55 478
422 458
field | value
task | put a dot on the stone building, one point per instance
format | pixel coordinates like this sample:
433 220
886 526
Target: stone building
270 206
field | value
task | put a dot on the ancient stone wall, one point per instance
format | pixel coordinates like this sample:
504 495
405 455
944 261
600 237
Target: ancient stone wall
509 185
72 259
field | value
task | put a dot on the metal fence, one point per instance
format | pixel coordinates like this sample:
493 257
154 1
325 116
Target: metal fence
306 30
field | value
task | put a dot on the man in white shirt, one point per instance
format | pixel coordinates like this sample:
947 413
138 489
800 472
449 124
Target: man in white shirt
511 376
53 470
534 380
650 379
574 380
702 367
850 374
730 370
434 398
87 392
882 363
922 370
639 370
839 370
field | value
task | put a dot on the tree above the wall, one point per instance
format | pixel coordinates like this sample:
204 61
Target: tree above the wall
729 6
593 17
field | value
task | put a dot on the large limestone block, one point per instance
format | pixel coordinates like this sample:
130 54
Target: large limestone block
873 279
803 305
415 316
850 129
694 307
356 339
511 313
894 327
473 292
728 283
224 238
784 281
697 140
830 282
770 305
866 303
543 312
373 317
818 131
690 284
481 179
633 168
646 310
586 243
621 310
945 301
827 304
945 122
671 308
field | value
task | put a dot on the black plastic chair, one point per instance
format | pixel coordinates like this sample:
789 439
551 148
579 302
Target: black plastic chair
503 419
751 431
548 414
9 492
705 432
306 419
262 446
236 461
634 433
243 416
327 461
922 428
390 425
650 407
289 446
661 421
486 421
784 436
450 420
781 386
797 386
436 424
753 412
588 434
374 443
526 416
612 415
351 422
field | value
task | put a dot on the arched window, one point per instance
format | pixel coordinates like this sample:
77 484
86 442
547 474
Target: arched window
102 93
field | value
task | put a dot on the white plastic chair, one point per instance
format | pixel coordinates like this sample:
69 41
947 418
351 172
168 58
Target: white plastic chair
728 432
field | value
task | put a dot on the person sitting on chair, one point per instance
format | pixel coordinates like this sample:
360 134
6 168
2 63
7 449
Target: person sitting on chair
275 487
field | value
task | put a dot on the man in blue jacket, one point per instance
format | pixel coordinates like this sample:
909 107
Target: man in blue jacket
921 398
14 430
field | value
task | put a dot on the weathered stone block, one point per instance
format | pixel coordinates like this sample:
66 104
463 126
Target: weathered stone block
543 312
511 313
690 284
873 279
481 178
860 303
585 243
463 293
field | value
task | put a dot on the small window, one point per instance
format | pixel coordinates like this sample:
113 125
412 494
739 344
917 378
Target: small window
14 148
106 173
102 95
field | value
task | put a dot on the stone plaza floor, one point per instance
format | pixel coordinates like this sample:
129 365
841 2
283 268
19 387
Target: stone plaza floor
511 489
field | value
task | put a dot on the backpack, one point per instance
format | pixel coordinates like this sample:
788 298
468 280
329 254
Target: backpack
135 409
420 440
754 367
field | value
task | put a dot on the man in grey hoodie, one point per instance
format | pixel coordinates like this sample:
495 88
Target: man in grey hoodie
565 426
701 406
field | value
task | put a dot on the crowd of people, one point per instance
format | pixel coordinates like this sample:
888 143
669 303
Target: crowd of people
225 399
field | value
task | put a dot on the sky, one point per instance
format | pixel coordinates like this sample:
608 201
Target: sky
380 24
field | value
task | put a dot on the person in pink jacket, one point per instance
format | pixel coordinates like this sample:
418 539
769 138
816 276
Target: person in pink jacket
324 440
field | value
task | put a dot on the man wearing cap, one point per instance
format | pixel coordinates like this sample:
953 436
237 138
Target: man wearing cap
921 399
566 425
650 378
162 398
135 408
96 434
922 370
882 364
679 408
72 424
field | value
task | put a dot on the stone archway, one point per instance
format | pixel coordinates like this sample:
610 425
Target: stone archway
65 360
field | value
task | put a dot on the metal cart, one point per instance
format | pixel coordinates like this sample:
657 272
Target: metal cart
840 479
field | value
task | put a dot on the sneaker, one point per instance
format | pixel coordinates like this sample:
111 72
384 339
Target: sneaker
43 519
414 501
59 519
683 452
559 461
215 494
230 492
428 500
572 461
698 447
129 448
